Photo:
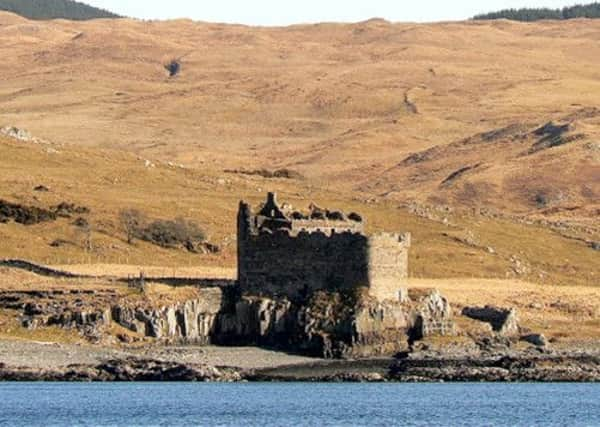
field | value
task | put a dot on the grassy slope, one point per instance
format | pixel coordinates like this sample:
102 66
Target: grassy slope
342 104
107 181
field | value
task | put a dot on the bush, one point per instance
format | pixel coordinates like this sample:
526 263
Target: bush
265 173
169 234
173 67
165 233
133 222
26 215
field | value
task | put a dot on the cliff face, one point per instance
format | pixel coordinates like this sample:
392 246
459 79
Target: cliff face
327 324
191 322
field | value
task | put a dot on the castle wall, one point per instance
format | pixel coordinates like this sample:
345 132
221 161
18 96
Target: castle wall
294 266
295 263
388 265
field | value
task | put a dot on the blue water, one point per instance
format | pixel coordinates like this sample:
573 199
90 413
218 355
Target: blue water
299 404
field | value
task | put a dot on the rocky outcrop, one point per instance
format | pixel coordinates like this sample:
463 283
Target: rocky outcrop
88 322
503 321
255 320
507 366
347 324
334 324
538 340
415 367
191 322
62 308
433 316
16 133
130 369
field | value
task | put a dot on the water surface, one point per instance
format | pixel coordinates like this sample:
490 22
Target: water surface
299 404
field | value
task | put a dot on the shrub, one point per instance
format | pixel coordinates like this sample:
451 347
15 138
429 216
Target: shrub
166 233
173 67
169 234
26 215
265 173
133 222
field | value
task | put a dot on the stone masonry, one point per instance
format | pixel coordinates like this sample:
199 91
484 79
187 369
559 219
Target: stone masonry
288 253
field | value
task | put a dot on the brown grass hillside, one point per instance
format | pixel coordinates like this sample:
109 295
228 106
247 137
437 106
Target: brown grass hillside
439 129
345 105
445 243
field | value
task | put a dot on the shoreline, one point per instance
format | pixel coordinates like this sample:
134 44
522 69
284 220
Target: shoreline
72 363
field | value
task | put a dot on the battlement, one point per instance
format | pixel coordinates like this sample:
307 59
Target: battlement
272 217
287 252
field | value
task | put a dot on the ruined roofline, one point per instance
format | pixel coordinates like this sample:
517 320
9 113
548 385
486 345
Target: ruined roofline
314 227
299 234
402 239
271 209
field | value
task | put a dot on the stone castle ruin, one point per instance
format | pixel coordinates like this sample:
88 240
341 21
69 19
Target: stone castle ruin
288 253
294 273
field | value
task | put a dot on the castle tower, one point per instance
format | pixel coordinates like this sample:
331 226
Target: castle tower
292 254
244 230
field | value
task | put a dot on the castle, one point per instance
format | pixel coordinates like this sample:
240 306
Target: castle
288 253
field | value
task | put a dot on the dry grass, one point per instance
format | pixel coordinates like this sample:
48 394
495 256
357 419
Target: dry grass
15 280
327 100
107 182
282 98
160 295
563 313
124 271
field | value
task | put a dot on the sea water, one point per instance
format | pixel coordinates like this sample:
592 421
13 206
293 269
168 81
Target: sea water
299 404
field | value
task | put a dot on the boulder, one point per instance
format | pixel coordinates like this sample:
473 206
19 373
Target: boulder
503 321
539 340
433 316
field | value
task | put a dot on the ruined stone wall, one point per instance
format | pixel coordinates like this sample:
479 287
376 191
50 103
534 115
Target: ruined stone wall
295 266
325 226
388 264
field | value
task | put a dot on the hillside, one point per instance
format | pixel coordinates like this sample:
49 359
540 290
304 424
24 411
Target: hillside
481 138
344 105
54 9
104 182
